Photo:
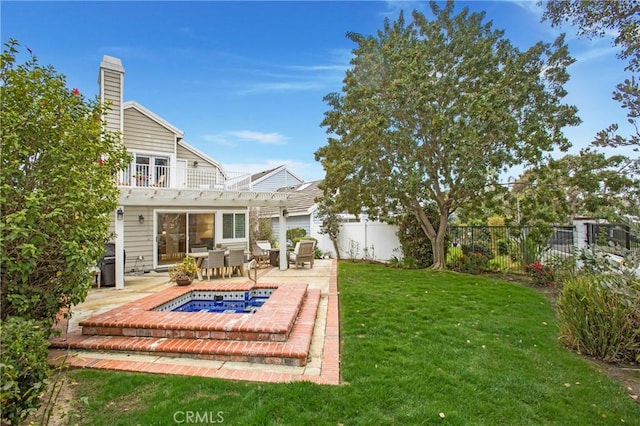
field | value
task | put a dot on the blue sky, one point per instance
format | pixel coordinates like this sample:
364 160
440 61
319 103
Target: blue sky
245 81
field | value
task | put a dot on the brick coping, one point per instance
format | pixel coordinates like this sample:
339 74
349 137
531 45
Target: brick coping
273 321
328 373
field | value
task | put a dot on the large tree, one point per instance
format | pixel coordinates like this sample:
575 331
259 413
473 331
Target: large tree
57 174
57 169
587 184
595 19
434 110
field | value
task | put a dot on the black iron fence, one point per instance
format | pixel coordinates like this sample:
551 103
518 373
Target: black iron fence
508 249
612 237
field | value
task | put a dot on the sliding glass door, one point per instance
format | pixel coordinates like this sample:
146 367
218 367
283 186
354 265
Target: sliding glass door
178 233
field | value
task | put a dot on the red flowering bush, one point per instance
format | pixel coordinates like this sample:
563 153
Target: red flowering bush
542 275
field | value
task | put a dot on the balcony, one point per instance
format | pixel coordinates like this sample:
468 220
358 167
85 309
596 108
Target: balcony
145 176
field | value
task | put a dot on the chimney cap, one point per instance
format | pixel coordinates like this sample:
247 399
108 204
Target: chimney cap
112 63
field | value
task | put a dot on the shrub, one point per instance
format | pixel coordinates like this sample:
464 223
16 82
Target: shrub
415 243
294 234
24 367
563 266
474 263
454 257
542 275
502 247
478 247
503 264
599 322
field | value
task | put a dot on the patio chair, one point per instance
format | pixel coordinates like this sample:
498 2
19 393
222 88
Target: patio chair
265 245
216 261
235 261
204 265
303 252
160 183
259 254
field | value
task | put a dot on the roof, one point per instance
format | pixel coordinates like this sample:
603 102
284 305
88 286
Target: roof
155 117
301 201
202 155
256 177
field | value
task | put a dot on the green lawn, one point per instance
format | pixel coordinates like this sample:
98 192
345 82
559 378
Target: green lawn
415 344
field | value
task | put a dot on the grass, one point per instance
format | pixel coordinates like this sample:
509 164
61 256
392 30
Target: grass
415 344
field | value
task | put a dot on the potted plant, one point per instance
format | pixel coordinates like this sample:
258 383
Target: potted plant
184 273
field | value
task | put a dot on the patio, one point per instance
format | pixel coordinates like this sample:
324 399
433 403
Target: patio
321 364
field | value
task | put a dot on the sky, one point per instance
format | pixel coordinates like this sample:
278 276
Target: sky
245 81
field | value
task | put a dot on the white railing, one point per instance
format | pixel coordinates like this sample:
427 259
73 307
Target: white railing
142 175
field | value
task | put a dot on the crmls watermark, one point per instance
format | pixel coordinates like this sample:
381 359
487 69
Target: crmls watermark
198 417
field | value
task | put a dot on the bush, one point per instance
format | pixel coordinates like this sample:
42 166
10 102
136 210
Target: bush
563 266
542 275
474 263
416 246
24 367
596 321
478 247
294 234
454 257
502 247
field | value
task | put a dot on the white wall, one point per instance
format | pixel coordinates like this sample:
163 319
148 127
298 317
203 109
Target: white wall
379 239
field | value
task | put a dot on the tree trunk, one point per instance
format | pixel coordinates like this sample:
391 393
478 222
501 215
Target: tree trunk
335 246
439 261
435 236
437 244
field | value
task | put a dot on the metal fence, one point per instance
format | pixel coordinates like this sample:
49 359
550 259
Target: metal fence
612 237
511 249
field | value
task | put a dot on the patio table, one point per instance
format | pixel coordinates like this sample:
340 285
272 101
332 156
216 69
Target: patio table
200 256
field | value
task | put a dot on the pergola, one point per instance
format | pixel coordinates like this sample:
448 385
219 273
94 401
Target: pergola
196 198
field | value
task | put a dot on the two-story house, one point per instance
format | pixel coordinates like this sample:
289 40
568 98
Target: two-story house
172 196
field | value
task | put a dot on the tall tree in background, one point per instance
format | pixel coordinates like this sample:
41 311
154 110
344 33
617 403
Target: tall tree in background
587 184
596 19
434 111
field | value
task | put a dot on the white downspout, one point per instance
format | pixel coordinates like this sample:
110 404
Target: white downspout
119 228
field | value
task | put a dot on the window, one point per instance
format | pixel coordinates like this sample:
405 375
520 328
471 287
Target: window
233 225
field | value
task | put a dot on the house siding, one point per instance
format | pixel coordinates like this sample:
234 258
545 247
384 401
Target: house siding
278 180
292 222
139 238
185 154
111 92
145 135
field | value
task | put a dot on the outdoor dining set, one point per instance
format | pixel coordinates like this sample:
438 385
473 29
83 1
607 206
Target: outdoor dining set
224 262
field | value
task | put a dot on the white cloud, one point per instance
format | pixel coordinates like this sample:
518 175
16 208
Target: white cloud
530 6
219 139
597 52
287 86
262 138
234 138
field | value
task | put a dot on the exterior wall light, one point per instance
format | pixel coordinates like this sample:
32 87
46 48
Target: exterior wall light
120 214
141 219
285 213
195 164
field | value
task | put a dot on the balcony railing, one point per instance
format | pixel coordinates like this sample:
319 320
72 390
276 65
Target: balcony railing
189 178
